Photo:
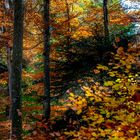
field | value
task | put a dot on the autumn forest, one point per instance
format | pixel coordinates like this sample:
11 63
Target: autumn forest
69 70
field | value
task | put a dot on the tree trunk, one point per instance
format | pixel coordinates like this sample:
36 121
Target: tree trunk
68 26
47 59
9 77
17 69
106 31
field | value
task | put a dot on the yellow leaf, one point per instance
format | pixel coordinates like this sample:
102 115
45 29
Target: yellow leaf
91 99
79 111
116 86
94 134
80 102
71 98
102 67
67 133
108 83
118 133
128 66
71 94
112 74
89 94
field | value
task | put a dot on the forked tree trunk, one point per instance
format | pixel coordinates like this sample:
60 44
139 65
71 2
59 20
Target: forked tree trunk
47 59
17 69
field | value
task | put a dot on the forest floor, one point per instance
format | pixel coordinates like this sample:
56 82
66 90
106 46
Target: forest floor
113 116
104 104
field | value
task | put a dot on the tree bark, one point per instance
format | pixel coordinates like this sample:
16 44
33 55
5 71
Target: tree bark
106 30
68 26
9 77
17 69
47 59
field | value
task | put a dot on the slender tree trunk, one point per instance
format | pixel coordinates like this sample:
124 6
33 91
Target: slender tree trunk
9 78
68 21
17 69
106 30
8 4
47 59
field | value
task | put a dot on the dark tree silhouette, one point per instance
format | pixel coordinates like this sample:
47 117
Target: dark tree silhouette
17 69
47 59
